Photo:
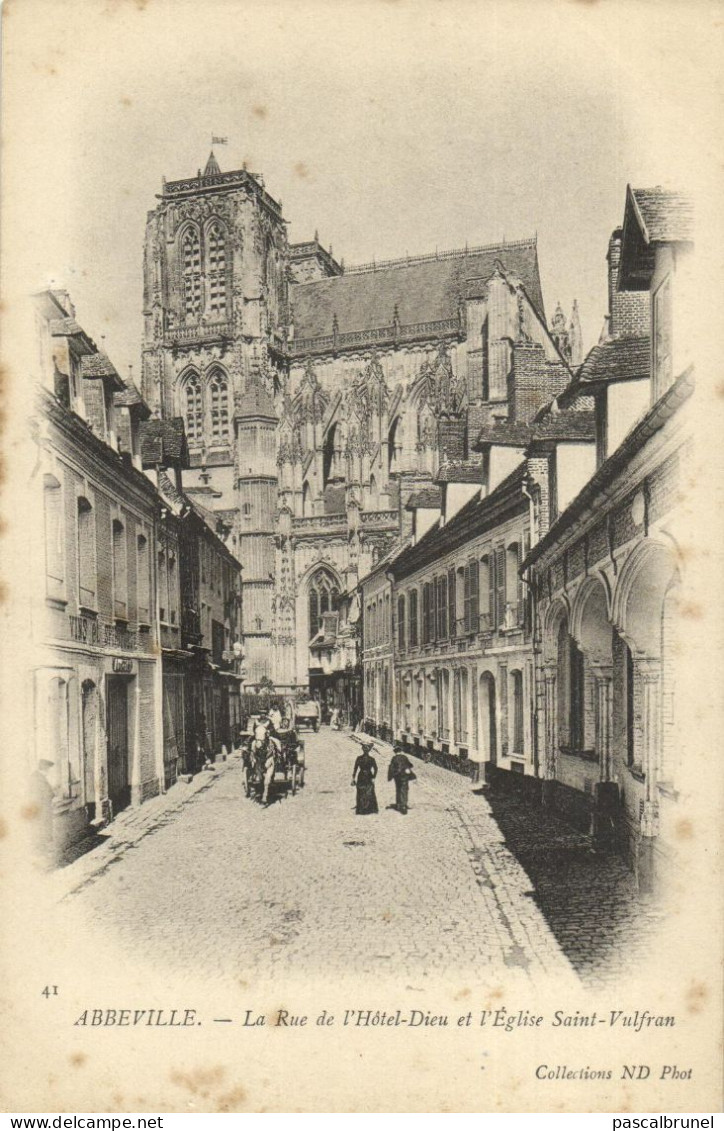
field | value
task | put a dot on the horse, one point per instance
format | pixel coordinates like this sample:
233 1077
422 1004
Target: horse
260 761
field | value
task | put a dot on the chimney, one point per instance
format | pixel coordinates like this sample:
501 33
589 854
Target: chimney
629 310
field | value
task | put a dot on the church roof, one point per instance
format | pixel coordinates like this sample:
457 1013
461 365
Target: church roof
427 289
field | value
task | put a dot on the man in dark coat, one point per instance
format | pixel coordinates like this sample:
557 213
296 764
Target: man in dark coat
401 771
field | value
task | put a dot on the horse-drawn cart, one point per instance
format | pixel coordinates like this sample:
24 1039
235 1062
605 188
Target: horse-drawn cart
271 762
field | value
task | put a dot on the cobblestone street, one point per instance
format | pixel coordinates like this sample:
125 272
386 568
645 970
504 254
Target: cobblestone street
306 884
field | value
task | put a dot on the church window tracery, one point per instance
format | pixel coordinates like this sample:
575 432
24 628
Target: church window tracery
219 400
191 256
216 245
323 598
193 409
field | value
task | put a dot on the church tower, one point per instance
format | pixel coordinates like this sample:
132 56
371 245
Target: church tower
216 267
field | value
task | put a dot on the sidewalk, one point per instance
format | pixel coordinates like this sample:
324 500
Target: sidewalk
129 827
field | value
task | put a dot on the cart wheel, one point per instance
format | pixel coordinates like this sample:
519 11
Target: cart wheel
294 780
301 777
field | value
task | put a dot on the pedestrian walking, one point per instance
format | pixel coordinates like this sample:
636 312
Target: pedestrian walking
401 772
334 720
363 777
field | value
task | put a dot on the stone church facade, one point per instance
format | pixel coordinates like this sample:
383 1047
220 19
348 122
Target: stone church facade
318 400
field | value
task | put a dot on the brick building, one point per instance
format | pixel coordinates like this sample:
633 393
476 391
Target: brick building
606 568
318 399
95 684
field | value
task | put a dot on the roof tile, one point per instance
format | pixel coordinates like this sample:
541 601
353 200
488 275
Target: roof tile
667 215
425 290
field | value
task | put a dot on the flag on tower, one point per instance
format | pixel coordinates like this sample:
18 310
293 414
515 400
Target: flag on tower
219 140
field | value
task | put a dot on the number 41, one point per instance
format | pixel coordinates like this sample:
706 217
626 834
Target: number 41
49 991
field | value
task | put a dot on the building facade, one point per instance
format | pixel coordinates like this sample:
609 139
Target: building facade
316 399
95 689
463 657
200 612
607 569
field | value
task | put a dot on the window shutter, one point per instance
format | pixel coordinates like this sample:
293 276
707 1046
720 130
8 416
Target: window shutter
433 608
520 584
474 595
451 602
492 602
466 602
500 584
527 592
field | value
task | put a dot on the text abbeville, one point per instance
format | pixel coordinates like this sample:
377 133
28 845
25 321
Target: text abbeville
174 1018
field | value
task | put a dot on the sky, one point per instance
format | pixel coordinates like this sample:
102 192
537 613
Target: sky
391 127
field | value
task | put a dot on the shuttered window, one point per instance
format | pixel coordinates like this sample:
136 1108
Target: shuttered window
451 596
442 606
474 595
413 633
500 579
426 603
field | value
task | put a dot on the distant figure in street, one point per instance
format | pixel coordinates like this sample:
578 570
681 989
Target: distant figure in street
334 720
401 772
363 777
275 718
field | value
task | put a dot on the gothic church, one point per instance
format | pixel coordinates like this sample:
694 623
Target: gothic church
319 400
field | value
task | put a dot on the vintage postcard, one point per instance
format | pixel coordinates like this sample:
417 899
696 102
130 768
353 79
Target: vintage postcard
362 556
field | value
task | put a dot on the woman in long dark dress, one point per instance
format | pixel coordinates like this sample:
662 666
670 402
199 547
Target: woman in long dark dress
363 777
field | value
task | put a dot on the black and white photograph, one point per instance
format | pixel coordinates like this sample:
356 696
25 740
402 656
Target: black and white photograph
362 605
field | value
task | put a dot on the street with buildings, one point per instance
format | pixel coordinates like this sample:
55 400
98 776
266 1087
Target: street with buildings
464 884
398 493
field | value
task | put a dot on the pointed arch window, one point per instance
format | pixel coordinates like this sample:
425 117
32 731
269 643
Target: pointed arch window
219 401
216 245
323 598
191 262
193 409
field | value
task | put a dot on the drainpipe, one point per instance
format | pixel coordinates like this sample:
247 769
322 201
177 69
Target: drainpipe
536 652
158 673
